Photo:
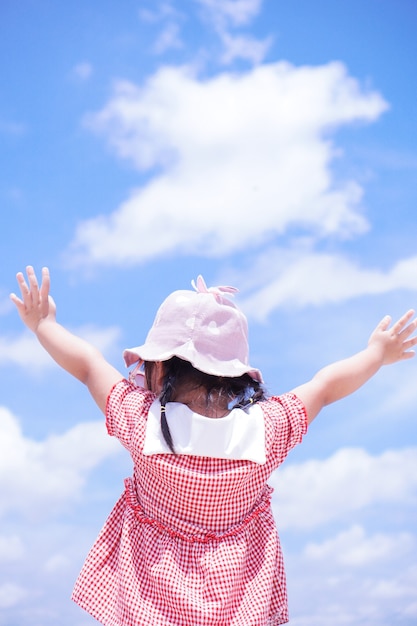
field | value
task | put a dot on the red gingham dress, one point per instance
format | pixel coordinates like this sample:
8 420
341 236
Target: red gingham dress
192 540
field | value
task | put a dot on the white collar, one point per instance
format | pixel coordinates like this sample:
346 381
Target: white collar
239 435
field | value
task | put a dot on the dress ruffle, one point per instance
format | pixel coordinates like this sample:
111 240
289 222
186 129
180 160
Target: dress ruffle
194 533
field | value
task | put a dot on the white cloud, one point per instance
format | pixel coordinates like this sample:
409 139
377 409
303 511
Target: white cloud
231 12
243 47
354 548
11 595
354 577
395 590
226 15
25 350
345 598
314 493
11 548
57 563
38 478
397 392
105 339
169 18
300 278
228 154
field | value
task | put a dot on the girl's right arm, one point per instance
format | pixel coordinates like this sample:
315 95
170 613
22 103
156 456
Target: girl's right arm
386 345
37 311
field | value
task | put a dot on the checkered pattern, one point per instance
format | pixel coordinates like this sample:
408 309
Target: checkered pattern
192 541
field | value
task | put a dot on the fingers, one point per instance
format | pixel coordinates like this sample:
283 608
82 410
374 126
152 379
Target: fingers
24 288
408 354
33 283
408 330
407 344
403 321
385 322
28 287
410 343
17 301
45 285
31 294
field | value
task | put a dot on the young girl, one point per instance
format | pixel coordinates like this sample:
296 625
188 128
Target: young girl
192 541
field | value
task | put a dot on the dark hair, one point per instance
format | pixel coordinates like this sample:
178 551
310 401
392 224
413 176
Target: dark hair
240 392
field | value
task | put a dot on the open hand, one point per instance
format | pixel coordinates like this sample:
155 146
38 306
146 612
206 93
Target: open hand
395 342
35 305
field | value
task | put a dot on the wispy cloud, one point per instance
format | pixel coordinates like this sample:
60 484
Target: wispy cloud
40 478
167 17
11 548
243 47
377 592
350 480
227 18
160 11
11 595
301 278
235 13
354 548
25 351
82 71
168 39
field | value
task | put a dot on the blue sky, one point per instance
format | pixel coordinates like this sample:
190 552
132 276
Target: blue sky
265 144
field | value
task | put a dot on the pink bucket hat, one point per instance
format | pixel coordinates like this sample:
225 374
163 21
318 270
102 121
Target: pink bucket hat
202 327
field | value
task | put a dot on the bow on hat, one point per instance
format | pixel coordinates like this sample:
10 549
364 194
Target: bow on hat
201 287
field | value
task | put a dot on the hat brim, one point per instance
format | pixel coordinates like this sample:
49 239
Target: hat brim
228 369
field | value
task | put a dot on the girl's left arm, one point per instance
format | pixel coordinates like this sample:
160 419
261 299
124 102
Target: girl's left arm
386 345
38 312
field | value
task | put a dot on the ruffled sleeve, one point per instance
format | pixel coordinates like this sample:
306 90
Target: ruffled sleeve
127 407
286 424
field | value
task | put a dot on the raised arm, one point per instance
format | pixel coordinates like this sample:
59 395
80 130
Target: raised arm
37 310
386 345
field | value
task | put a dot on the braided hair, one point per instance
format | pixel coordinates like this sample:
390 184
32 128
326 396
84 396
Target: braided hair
239 392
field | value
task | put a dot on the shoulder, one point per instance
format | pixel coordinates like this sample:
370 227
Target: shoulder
126 405
285 422
125 388
287 405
